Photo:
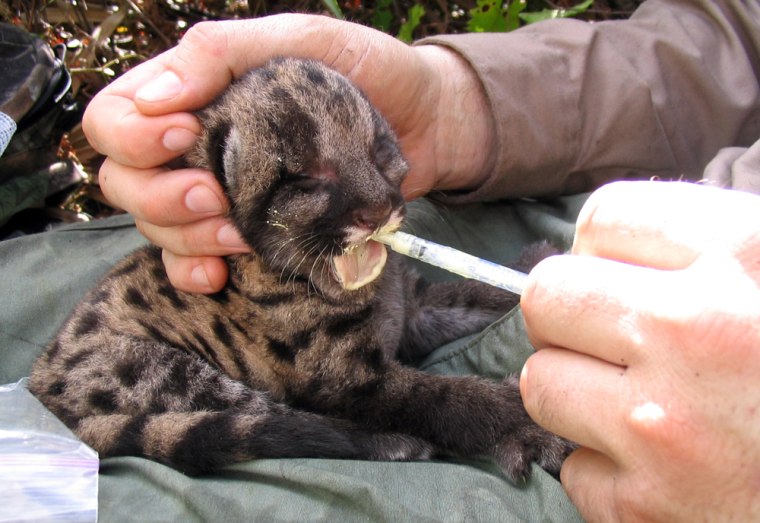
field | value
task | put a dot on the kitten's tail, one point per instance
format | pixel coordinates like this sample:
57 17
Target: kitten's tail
203 441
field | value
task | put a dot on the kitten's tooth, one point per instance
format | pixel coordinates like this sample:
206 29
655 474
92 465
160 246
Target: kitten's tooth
360 265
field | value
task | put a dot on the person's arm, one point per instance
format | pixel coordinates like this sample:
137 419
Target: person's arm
579 104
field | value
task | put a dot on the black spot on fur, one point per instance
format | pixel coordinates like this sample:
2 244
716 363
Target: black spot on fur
287 351
211 396
103 400
57 388
271 300
345 324
242 330
302 339
295 128
53 351
129 442
171 294
128 372
222 332
128 268
206 351
283 351
375 359
314 75
156 334
178 380
201 449
100 296
80 357
87 324
133 296
222 297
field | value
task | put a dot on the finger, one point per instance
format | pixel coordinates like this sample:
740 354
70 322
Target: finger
576 396
203 275
210 237
114 126
589 478
590 305
665 225
160 196
211 54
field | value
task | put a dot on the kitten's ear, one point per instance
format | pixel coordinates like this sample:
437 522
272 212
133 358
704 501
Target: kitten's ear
224 149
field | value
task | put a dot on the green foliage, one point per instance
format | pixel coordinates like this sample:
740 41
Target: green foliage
382 18
414 15
547 14
487 17
513 15
334 8
490 16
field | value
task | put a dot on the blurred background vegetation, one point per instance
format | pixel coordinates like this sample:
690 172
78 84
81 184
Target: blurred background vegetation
97 40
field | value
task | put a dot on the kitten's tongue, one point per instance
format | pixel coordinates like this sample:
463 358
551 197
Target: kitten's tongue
359 266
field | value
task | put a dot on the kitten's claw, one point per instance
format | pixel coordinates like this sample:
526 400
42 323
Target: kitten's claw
515 454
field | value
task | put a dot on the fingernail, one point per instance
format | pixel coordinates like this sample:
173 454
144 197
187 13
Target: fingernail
203 200
165 87
198 277
178 139
229 236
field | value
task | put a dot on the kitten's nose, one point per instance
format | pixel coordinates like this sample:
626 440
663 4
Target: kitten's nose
373 217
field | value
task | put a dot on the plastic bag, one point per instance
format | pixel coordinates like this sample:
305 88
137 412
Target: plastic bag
46 473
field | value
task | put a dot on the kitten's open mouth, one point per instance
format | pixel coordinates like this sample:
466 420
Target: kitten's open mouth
359 265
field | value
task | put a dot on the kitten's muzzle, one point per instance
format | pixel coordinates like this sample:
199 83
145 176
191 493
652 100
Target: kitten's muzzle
372 218
364 259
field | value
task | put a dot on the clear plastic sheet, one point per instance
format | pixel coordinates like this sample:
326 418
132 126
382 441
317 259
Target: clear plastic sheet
46 473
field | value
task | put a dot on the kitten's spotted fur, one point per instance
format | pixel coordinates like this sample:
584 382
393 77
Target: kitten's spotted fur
284 361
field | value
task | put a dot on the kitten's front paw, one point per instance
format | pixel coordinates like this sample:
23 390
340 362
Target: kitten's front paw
528 443
516 452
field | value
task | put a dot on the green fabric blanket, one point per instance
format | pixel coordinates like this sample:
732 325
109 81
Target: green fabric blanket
43 276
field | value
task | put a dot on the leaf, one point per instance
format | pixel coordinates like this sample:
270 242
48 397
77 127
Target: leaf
413 18
486 17
548 14
382 18
512 18
334 8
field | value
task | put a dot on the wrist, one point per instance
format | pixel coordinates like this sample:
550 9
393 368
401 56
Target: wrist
464 130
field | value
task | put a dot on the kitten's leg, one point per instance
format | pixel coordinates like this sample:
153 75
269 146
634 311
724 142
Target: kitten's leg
438 313
175 408
465 416
442 312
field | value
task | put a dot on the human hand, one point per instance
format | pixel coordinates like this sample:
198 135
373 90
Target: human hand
141 121
649 354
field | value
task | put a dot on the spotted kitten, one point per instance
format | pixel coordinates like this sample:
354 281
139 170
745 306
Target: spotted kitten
303 352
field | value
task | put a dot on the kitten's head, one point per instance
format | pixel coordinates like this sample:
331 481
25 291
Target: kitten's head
310 168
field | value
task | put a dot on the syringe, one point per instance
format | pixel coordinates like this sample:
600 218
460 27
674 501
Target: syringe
454 261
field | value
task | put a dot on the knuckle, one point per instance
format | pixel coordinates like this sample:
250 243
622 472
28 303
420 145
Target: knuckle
202 38
663 427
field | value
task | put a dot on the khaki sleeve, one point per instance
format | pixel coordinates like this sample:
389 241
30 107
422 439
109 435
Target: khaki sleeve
578 104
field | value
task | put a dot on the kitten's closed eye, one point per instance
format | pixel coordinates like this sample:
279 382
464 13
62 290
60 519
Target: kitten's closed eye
319 174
